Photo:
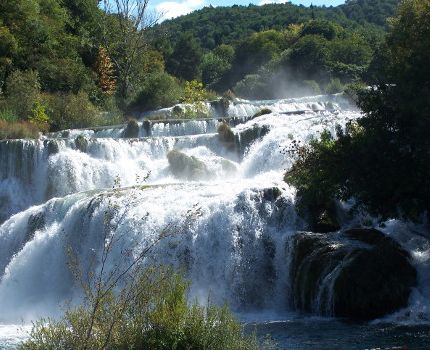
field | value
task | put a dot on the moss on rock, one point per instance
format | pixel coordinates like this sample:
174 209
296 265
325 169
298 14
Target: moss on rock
186 167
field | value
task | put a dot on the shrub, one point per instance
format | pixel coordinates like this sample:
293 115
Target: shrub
18 130
194 96
8 115
22 92
313 85
150 313
68 111
159 90
334 87
39 117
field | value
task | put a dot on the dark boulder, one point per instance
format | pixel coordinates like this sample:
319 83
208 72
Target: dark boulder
81 143
248 136
359 274
51 146
261 112
226 136
131 130
35 223
221 107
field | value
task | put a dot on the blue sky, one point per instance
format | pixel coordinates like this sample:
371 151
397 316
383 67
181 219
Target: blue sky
174 8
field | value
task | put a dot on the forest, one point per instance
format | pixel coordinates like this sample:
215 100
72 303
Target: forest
76 63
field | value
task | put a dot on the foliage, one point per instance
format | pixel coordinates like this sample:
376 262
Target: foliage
105 72
23 90
313 85
154 314
158 90
326 29
334 87
8 116
214 26
68 110
194 97
18 130
39 117
383 160
186 58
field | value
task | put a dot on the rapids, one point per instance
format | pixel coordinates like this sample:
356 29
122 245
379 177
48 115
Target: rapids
54 195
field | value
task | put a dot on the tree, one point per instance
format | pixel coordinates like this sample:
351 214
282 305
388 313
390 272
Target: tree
383 160
186 58
124 36
105 72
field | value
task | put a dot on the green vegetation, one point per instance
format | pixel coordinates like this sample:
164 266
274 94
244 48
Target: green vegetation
382 160
64 63
150 313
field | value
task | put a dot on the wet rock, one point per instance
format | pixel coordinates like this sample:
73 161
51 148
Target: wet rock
81 143
226 136
35 223
271 194
228 167
249 136
52 147
324 220
221 107
131 130
186 167
177 112
147 127
262 112
358 274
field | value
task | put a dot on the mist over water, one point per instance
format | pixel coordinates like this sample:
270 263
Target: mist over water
55 196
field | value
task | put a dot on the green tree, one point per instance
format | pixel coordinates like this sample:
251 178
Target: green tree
186 58
383 161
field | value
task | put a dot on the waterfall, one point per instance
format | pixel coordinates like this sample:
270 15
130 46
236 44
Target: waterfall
55 194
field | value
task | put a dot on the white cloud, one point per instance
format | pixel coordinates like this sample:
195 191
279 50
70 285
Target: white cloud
265 2
171 9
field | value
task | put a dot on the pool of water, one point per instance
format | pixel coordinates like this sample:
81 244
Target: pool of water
319 334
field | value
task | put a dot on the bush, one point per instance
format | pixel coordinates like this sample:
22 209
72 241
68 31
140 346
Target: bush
194 96
22 92
8 115
334 87
326 29
18 130
68 111
313 85
39 116
159 90
153 313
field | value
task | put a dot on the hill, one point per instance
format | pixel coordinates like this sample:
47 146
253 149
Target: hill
214 26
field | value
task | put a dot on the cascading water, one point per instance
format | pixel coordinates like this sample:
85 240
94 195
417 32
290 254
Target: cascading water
55 195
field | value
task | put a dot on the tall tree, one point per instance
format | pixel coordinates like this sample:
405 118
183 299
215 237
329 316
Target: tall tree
124 37
186 58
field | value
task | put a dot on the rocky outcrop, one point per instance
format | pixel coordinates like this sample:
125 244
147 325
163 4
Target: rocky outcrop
221 107
81 143
186 167
261 112
358 274
248 136
226 136
131 130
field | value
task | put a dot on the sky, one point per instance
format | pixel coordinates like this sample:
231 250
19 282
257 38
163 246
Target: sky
174 8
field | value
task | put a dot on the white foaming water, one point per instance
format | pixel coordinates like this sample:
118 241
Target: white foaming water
235 249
